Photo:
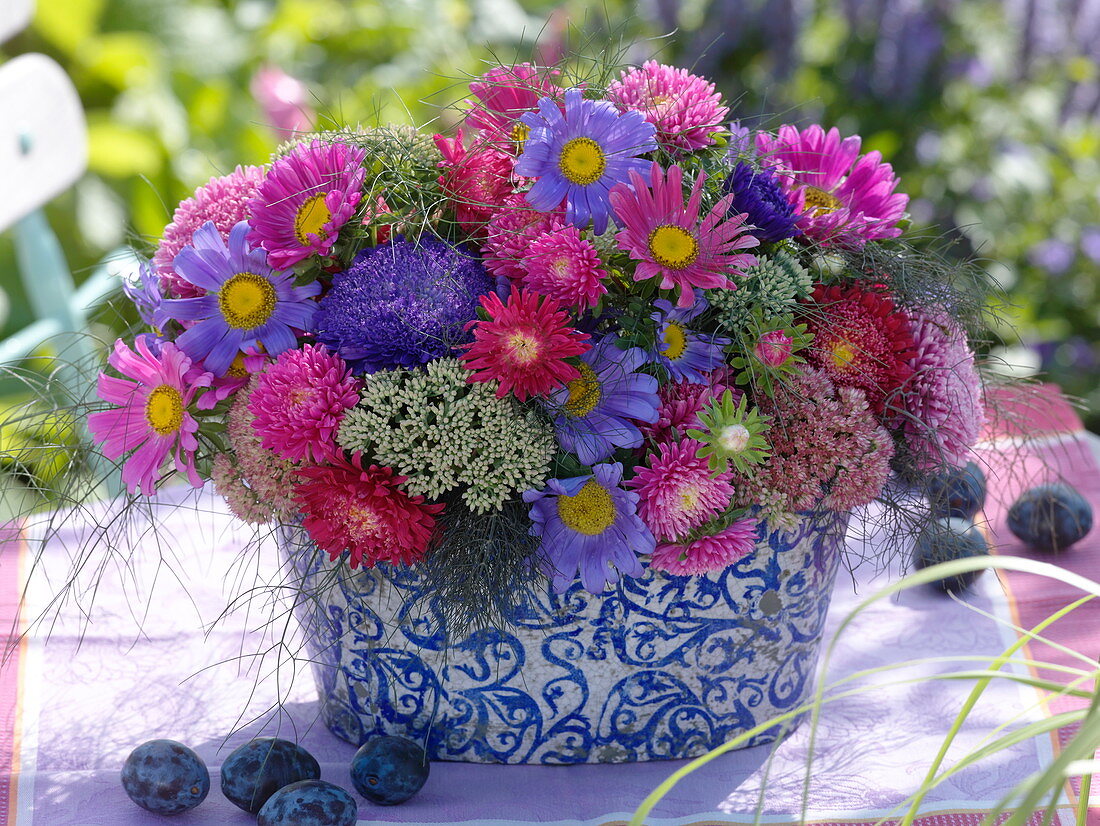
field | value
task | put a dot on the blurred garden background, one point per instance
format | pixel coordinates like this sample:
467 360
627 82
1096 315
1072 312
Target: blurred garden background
988 109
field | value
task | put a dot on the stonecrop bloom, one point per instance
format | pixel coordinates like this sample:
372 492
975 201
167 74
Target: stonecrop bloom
843 197
677 490
758 195
667 238
685 353
684 108
151 416
565 266
245 303
599 410
308 194
299 402
711 552
524 345
578 156
363 511
223 200
589 524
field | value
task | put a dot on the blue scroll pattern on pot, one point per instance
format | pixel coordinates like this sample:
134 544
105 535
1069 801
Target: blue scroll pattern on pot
660 667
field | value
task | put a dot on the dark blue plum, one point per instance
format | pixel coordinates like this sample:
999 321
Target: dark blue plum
259 768
1050 517
958 492
947 539
309 803
388 770
165 777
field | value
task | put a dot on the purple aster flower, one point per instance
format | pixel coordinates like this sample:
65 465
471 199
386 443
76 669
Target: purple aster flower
144 291
686 354
596 412
246 303
590 525
402 304
308 194
758 193
577 157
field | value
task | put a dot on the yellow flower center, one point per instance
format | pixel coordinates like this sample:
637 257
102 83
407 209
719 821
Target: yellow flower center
520 132
524 348
311 218
689 498
842 355
582 161
584 393
673 247
237 369
818 201
590 511
246 300
363 524
164 409
675 341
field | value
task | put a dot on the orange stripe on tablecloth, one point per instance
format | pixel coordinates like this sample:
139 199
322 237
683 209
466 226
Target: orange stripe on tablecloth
1062 455
13 554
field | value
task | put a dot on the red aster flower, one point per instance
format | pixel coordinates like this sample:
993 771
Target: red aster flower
477 181
860 340
524 345
364 511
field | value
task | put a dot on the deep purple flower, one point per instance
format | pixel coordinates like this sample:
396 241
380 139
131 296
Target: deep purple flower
757 192
596 412
246 302
686 353
577 157
590 525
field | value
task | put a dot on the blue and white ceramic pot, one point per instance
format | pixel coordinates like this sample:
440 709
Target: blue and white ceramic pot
661 667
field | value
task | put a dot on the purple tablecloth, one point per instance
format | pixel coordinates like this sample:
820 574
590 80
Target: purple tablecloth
160 656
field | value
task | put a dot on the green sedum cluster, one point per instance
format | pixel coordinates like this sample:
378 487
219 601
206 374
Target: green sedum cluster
446 434
774 284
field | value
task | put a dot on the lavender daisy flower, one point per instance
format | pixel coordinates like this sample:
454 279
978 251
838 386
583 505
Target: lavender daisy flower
247 304
686 354
144 292
590 525
758 193
578 157
402 305
596 412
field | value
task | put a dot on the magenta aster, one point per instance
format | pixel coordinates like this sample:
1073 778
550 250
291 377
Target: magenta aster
477 181
223 200
308 194
843 197
678 493
943 398
503 94
681 401
524 344
509 234
299 402
565 266
667 238
713 552
683 107
151 417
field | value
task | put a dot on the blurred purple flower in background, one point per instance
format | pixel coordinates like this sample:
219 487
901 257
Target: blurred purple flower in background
1053 255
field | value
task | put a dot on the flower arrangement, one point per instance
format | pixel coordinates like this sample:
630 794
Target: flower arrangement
599 328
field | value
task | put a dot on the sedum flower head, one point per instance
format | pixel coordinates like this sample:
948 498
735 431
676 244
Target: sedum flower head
774 284
444 434
734 434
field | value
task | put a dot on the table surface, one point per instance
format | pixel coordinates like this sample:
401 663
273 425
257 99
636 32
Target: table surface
159 655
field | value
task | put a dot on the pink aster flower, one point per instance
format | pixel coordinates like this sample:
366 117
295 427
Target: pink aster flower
566 267
223 200
365 512
943 398
477 181
684 107
667 238
509 234
308 194
503 94
843 197
677 491
524 345
714 552
299 402
151 417
682 400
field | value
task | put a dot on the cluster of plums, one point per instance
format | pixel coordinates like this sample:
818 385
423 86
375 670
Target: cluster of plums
1048 518
276 780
